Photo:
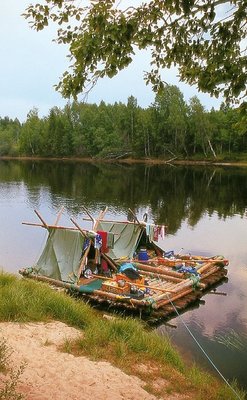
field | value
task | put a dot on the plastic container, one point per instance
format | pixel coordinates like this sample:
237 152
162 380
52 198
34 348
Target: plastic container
143 255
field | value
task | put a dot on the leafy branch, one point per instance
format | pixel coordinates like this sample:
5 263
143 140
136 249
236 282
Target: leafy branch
192 35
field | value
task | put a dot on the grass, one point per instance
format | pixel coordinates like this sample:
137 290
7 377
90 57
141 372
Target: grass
25 300
8 388
125 343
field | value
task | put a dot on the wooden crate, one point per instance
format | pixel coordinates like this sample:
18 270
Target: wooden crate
113 287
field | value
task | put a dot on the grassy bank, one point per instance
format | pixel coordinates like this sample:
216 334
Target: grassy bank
126 343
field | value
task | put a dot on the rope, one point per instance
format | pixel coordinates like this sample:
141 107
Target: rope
195 280
203 351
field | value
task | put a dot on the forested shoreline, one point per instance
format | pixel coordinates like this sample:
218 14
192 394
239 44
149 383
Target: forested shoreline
170 128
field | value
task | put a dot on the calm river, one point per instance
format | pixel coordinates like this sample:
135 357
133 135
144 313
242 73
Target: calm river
205 209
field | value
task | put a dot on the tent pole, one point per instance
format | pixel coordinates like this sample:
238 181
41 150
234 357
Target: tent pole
135 217
41 219
59 215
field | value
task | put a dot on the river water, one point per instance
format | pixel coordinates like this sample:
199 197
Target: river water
205 209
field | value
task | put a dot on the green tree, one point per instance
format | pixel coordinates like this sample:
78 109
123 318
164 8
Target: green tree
202 38
132 115
144 136
200 128
83 120
31 142
58 133
9 136
170 121
177 119
234 135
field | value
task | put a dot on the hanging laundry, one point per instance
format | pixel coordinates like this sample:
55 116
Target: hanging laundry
85 244
98 241
156 233
153 232
162 232
103 235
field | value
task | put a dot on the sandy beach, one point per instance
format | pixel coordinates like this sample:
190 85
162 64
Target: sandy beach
52 374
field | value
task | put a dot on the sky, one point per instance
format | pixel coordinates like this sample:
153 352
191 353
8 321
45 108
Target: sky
31 64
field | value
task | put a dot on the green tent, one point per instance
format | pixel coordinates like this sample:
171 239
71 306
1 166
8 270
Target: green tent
61 256
126 237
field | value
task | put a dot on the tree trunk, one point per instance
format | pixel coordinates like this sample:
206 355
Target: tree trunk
211 148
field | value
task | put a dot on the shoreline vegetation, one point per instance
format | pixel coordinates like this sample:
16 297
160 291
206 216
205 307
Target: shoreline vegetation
152 367
148 161
170 129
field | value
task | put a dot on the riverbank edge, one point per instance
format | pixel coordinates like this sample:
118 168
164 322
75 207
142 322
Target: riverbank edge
123 342
148 161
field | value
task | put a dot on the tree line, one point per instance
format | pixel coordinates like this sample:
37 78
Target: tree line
169 128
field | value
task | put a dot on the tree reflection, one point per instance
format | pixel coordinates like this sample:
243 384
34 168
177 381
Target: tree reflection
172 194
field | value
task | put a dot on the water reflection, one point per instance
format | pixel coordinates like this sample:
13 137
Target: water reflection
204 208
173 193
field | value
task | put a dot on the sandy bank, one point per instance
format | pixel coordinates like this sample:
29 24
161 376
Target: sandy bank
52 374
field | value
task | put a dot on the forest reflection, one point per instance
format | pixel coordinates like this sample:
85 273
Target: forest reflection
172 193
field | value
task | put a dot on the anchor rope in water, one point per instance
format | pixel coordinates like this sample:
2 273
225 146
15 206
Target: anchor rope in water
203 351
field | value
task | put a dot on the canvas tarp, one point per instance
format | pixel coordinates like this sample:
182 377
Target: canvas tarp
61 256
126 237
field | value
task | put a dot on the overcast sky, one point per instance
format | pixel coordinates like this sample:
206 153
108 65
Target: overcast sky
31 64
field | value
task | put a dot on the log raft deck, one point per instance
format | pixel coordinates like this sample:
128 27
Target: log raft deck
167 293
162 285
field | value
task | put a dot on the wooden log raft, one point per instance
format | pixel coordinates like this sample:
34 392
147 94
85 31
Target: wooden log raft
179 277
169 298
101 293
165 293
159 270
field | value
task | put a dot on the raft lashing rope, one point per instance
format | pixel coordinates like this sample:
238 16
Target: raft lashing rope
204 352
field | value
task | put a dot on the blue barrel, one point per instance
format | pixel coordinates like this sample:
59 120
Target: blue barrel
143 255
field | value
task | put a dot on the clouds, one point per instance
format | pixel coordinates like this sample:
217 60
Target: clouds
31 64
